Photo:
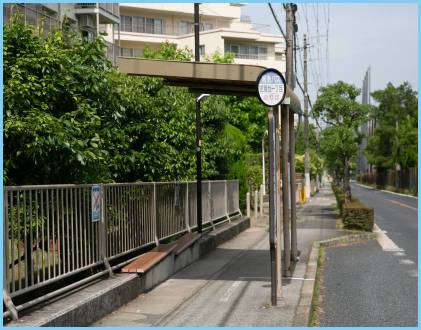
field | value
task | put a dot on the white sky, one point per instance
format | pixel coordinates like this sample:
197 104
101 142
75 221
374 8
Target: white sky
383 36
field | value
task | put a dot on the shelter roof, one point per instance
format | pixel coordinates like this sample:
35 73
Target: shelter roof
203 77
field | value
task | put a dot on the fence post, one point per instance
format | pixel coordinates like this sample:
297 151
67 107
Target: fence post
103 231
226 200
154 215
255 205
187 208
248 204
6 297
210 205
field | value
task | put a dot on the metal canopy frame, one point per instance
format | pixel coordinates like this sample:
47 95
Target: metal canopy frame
203 77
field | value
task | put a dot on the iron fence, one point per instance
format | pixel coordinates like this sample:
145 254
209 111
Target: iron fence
50 232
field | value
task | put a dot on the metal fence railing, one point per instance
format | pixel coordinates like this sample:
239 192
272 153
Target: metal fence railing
52 232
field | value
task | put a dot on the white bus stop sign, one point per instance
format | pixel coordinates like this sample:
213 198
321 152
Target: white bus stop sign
271 87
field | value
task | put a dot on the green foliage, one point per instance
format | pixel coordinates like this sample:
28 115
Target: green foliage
356 215
217 57
338 108
168 51
70 117
395 138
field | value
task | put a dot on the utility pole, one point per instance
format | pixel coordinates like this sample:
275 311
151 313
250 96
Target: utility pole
285 121
198 128
306 154
291 29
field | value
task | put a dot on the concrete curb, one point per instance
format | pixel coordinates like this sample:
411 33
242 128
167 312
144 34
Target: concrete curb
305 304
86 306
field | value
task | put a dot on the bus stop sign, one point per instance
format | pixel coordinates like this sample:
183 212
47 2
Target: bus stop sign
271 87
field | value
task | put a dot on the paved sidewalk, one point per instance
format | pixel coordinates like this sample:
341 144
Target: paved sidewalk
231 285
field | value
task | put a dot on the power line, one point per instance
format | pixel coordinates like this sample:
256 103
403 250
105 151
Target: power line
277 23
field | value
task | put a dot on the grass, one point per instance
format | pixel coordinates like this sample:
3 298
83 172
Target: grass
316 308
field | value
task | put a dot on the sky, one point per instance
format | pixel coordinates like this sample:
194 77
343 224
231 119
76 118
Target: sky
355 36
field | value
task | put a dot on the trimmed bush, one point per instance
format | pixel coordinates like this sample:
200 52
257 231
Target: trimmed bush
356 215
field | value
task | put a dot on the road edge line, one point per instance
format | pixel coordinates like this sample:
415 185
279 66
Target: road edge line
386 191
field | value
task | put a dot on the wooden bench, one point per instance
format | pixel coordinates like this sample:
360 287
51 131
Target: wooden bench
147 260
185 241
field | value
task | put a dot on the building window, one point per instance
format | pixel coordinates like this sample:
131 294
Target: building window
138 24
249 52
202 50
131 52
126 23
186 27
154 25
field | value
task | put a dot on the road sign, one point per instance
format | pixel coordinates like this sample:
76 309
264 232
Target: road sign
271 87
96 203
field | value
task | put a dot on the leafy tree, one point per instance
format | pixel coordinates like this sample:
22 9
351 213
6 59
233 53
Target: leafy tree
338 108
395 137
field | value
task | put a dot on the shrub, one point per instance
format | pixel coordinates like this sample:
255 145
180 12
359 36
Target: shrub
357 216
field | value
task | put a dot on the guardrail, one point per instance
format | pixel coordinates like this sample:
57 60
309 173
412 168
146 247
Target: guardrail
54 231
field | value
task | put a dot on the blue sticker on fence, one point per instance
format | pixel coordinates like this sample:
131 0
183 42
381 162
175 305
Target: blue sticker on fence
96 203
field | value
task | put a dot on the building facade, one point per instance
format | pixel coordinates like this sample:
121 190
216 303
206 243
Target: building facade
222 29
130 27
89 18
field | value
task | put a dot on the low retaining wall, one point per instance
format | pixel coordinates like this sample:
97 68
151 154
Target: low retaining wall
83 307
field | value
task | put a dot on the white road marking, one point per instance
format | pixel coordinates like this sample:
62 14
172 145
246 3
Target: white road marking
413 273
399 254
298 278
406 262
385 242
404 205
386 191
227 295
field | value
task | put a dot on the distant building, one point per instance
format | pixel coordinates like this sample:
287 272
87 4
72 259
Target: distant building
366 129
222 28
131 27
90 18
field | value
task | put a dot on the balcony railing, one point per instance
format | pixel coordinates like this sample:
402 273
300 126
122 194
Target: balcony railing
251 57
111 8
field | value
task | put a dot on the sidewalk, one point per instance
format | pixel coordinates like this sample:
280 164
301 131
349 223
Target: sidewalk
231 285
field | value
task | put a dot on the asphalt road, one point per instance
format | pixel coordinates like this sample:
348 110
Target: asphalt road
366 286
395 214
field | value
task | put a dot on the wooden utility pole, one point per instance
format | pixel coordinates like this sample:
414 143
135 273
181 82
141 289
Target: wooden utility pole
306 154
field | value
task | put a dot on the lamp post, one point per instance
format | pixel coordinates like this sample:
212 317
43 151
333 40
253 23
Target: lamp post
199 162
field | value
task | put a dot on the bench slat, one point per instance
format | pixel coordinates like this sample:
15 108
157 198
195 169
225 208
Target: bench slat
147 260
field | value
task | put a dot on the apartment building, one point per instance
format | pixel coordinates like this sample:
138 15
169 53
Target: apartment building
222 29
89 18
131 27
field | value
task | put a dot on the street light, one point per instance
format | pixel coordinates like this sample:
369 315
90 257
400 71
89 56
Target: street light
199 162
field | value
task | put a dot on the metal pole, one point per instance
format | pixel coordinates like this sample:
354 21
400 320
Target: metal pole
306 154
248 204
198 167
294 253
285 192
196 33
256 214
274 265
277 112
199 163
263 166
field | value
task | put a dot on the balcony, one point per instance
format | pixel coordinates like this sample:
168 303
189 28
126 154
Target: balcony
109 13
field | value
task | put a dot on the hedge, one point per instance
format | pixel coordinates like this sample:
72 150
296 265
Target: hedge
356 215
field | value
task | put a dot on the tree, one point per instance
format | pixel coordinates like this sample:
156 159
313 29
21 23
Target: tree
338 108
395 137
